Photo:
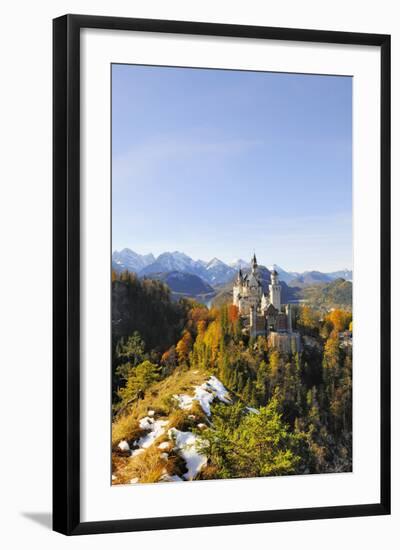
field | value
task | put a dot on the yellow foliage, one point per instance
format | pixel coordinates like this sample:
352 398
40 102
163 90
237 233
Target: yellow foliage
184 346
212 339
331 350
309 318
274 360
340 319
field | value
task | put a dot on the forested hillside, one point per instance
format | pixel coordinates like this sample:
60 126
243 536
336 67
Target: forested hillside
336 294
145 305
195 398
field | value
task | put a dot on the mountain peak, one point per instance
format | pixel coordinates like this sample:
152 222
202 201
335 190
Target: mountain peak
130 260
214 262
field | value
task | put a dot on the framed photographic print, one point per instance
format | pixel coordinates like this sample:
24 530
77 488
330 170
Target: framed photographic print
221 274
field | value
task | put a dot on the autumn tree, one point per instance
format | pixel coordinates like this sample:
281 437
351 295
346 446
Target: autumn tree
339 319
212 339
197 316
168 360
183 348
309 320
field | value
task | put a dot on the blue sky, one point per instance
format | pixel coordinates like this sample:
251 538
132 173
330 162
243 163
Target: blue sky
221 163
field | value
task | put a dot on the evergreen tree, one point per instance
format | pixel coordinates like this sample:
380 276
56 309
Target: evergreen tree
139 379
251 445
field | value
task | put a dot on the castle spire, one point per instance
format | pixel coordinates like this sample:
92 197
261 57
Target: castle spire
254 264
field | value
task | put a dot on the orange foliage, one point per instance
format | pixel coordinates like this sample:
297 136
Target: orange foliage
233 313
340 319
201 328
197 314
168 356
184 346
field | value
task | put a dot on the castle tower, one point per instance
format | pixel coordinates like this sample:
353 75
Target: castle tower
264 303
237 289
275 290
289 317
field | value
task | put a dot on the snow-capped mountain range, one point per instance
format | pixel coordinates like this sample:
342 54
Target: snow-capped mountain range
214 272
127 259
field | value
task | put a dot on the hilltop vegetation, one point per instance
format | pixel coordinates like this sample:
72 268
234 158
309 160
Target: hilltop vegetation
145 306
336 294
195 398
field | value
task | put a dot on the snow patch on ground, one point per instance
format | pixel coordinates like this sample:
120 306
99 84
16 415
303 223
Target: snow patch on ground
184 401
205 395
187 444
219 389
123 445
155 429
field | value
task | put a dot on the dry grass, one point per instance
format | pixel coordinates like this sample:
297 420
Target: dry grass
147 467
158 398
126 428
198 412
209 472
180 420
187 420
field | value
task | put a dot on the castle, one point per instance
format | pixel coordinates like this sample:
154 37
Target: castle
262 313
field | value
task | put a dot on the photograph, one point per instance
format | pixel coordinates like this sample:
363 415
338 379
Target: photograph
231 274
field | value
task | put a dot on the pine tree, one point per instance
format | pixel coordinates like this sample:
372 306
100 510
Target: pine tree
139 379
244 444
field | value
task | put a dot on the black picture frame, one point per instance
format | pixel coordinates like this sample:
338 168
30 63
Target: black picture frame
66 273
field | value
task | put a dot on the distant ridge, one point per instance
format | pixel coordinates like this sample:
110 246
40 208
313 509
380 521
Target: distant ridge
214 272
185 284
